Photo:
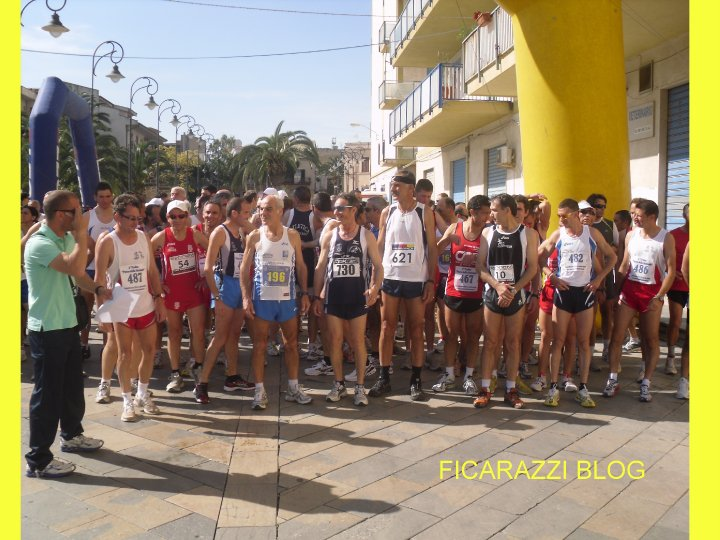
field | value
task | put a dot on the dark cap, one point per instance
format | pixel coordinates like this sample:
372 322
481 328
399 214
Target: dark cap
404 176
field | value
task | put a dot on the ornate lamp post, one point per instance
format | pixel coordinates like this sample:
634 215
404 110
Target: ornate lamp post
116 55
190 121
197 128
151 86
55 28
174 107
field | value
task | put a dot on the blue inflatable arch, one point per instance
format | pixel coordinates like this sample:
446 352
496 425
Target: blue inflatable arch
54 100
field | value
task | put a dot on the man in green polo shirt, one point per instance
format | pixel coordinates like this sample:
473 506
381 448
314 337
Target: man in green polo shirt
55 252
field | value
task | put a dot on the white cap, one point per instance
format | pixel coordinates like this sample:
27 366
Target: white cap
282 193
584 205
270 191
182 205
157 201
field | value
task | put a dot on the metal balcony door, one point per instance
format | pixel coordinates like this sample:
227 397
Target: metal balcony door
458 180
677 190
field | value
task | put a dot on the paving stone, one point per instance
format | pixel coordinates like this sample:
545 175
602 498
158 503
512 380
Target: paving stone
191 526
398 522
246 533
625 518
246 505
202 500
58 511
542 445
255 467
377 497
422 446
163 456
106 528
33 529
143 510
678 517
322 522
216 450
84 484
153 481
447 497
519 495
171 436
369 470
458 524
309 495
554 517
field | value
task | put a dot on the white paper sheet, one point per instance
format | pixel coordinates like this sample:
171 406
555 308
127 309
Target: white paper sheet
119 308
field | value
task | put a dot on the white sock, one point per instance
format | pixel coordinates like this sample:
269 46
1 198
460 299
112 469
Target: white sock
469 372
293 384
613 376
671 351
646 382
485 383
509 385
450 372
106 381
127 397
259 387
142 389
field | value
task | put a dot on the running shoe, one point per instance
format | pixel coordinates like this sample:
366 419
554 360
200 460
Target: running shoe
260 401
640 376
201 393
272 349
611 388
631 345
298 395
512 398
539 384
445 383
321 368
80 443
552 399
670 368
360 398
337 392
568 384
683 390
434 362
522 388
381 386
584 399
645 395
55 469
237 382
525 372
176 383
147 404
128 414
470 387
483 398
416 391
103 393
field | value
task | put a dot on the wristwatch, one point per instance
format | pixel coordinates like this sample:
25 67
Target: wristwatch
216 297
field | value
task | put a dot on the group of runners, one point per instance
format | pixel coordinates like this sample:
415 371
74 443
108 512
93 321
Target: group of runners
358 270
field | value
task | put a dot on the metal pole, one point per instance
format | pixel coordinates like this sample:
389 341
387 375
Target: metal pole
112 56
173 105
130 150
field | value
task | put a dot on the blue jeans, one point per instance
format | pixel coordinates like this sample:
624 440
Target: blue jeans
58 394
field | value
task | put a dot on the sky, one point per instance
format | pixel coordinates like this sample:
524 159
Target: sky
320 93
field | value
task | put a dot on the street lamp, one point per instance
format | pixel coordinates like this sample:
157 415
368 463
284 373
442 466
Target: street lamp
174 107
371 130
177 123
114 75
55 28
199 136
150 83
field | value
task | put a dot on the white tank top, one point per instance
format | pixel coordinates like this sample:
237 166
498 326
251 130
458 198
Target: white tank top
405 255
647 258
575 257
274 268
130 269
96 228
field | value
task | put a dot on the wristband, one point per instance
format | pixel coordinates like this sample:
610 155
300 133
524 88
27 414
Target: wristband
98 288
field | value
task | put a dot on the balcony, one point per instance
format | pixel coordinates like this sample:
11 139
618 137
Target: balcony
489 58
438 111
395 156
384 37
391 93
428 29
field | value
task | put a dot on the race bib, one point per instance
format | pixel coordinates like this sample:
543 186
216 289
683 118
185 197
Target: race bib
642 271
466 279
182 264
445 257
346 267
133 278
275 283
402 255
238 262
575 263
504 273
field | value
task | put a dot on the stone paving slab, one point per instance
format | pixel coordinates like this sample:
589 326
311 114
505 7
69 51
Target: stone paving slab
335 471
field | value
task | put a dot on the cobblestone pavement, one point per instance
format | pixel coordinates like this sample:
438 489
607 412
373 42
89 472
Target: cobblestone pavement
330 470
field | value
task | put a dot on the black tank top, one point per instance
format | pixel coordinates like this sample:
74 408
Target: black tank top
507 254
227 256
346 282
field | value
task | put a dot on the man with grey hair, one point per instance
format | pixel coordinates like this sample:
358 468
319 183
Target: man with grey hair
52 255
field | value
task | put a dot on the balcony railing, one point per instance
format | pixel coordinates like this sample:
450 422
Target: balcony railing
486 45
414 9
389 91
384 36
444 83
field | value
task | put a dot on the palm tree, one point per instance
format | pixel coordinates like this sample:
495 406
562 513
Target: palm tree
275 159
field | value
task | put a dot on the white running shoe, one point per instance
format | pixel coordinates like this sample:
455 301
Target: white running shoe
683 390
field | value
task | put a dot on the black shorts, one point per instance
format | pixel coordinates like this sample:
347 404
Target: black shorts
402 289
611 292
679 297
574 300
463 305
440 287
490 300
346 311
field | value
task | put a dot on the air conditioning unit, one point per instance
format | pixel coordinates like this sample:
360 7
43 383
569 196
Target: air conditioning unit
506 158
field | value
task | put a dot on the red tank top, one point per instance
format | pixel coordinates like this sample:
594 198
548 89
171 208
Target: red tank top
552 264
179 260
681 241
463 281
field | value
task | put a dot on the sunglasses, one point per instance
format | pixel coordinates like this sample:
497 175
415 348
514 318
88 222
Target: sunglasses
131 218
69 212
177 216
341 208
600 206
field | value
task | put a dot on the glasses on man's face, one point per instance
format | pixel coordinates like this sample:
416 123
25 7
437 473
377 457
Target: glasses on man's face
70 212
600 206
341 208
177 216
134 219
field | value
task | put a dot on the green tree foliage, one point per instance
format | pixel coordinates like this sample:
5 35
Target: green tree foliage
274 159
